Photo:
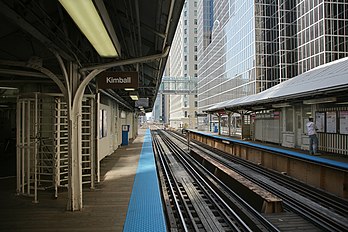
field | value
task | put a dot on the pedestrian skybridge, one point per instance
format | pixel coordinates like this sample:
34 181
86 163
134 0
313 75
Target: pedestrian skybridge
178 85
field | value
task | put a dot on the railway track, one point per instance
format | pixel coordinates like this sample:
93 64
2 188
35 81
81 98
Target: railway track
196 200
326 211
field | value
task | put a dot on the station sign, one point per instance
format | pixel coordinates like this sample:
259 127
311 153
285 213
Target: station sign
118 80
142 102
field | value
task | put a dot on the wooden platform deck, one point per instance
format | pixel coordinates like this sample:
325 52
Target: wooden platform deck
105 207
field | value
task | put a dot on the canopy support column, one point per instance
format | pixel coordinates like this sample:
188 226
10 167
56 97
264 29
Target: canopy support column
229 123
219 124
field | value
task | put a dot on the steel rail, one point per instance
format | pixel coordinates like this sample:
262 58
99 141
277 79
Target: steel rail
326 222
262 220
337 204
159 150
316 216
204 185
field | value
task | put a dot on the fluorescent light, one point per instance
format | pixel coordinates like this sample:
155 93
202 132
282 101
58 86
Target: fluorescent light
134 96
129 89
319 100
10 88
342 103
281 105
258 108
88 20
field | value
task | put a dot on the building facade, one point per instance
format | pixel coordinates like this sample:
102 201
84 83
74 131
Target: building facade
183 63
255 45
160 110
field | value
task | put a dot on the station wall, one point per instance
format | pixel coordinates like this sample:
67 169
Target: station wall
109 124
287 126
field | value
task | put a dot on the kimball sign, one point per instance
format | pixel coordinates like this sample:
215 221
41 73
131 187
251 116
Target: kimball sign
117 80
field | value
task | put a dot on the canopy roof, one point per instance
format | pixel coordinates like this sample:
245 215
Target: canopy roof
36 31
324 81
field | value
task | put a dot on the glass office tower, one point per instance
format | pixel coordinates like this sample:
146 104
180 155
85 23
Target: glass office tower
256 44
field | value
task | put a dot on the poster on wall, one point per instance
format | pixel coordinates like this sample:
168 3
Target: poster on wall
320 121
344 122
105 128
100 123
331 122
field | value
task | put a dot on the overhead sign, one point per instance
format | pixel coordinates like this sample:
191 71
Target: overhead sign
117 80
142 102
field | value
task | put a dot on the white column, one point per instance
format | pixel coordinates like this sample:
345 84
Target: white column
75 134
219 124
75 156
229 124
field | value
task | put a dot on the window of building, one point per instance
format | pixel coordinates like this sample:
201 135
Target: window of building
185 67
195 48
196 103
196 67
185 58
185 114
195 57
185 22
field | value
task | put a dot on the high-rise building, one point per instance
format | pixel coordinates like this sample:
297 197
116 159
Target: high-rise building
161 109
183 63
254 45
162 103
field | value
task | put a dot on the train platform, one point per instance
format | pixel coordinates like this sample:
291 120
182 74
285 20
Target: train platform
321 155
126 199
326 171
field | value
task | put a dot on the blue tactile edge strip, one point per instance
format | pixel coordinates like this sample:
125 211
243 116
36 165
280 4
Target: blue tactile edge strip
328 162
145 211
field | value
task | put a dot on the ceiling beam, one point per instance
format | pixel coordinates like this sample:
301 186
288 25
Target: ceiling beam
26 26
143 59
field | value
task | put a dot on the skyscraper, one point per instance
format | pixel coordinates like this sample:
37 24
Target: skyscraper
183 64
254 45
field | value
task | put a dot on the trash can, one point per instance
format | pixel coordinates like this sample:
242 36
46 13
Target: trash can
125 130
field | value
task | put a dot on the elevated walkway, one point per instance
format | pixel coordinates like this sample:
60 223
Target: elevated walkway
178 85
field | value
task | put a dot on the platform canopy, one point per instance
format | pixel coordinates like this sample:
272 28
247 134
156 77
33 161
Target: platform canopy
324 84
141 32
